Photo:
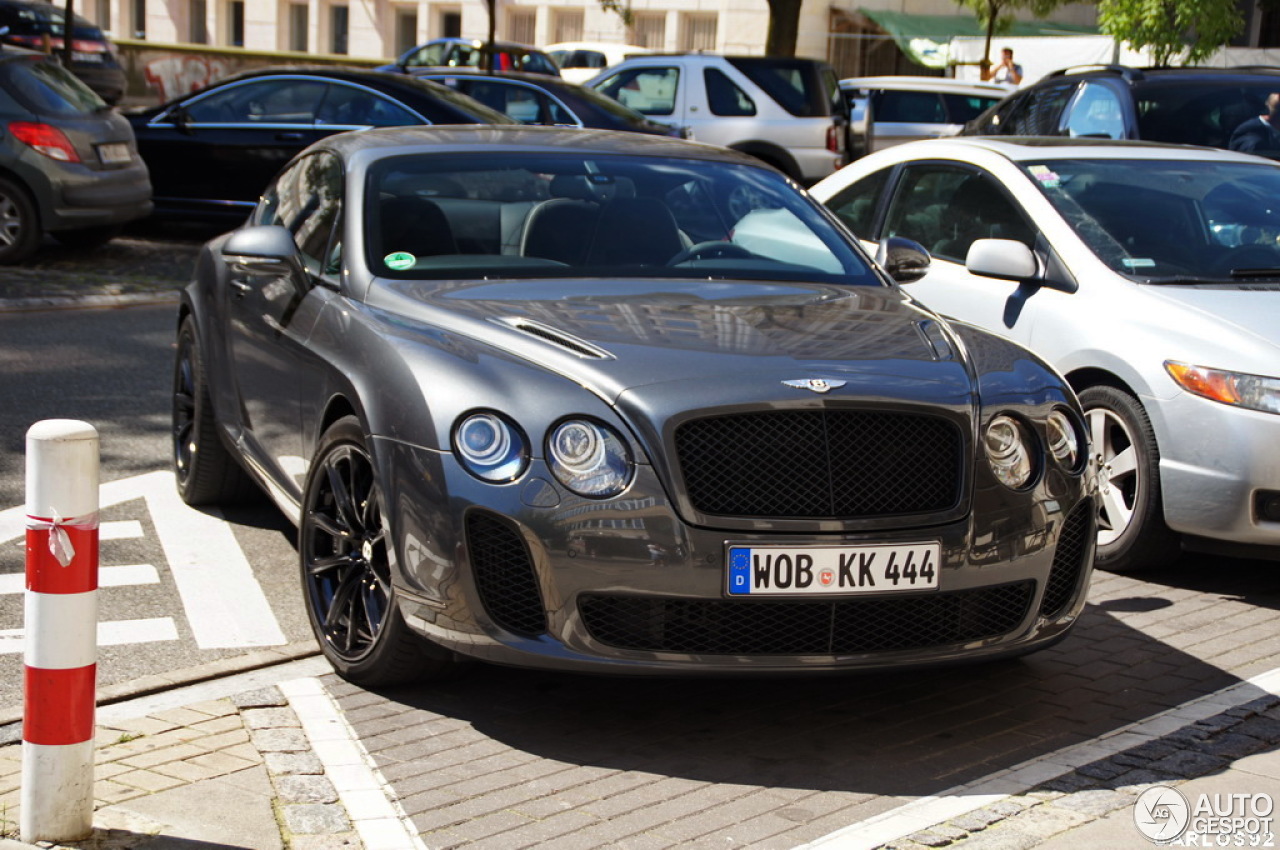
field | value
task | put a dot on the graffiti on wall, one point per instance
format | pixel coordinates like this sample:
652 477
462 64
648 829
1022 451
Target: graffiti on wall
176 74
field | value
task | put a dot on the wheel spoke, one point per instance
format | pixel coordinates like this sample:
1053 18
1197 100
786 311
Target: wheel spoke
1123 464
322 564
1115 515
331 527
343 507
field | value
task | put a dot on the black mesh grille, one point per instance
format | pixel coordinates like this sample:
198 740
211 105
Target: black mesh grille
820 464
739 627
504 575
1068 560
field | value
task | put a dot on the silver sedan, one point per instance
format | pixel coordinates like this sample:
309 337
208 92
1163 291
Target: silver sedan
1149 276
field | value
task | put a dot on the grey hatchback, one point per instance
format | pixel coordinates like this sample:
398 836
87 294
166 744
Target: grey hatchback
69 165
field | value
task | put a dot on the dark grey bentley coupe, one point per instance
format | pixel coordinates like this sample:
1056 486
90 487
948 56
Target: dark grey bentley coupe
607 402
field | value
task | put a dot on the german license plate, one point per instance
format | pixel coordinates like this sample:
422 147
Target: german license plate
115 153
832 570
79 56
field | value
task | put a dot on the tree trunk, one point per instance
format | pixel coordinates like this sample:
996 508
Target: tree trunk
984 67
784 27
67 34
490 54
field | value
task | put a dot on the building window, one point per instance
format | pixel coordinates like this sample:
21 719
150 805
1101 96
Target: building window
339 21
698 32
139 18
235 23
406 28
522 25
298 25
199 30
450 23
649 30
566 25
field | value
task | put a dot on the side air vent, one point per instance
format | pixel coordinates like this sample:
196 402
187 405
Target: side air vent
546 333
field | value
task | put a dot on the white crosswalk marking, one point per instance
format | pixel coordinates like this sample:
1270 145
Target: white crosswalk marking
124 575
112 633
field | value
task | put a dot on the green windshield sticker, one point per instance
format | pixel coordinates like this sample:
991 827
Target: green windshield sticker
400 260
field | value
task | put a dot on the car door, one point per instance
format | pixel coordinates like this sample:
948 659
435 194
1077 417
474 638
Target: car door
945 206
222 147
271 317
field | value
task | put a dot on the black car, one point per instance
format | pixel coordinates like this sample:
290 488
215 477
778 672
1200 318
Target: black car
68 162
472 53
212 152
1193 106
43 25
539 99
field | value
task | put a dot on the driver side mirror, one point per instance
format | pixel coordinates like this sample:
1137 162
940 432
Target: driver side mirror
262 249
906 261
1003 259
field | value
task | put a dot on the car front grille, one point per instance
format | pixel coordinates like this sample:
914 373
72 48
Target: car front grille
741 627
820 464
504 575
1070 559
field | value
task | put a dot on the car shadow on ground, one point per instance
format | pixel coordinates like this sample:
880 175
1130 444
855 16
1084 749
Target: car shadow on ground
891 733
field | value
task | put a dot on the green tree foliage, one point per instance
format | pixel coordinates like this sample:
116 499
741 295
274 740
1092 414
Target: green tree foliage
1189 30
996 17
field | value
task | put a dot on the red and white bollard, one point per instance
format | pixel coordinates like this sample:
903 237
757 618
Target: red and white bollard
61 640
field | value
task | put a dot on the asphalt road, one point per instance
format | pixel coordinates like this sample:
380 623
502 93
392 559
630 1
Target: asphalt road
111 368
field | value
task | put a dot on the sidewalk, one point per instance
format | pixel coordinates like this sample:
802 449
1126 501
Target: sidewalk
267 768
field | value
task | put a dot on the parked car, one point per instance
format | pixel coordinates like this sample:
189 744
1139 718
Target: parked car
579 61
788 112
43 26
1147 274
471 53
1193 106
509 430
69 165
887 111
539 99
212 152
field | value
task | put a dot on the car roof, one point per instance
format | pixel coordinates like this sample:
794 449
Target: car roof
480 42
1137 75
469 138
434 71
1041 148
943 84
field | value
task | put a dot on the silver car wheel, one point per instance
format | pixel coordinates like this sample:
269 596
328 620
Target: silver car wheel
10 221
1118 472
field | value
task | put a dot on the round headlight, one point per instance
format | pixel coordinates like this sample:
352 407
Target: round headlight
490 448
1009 451
589 458
1064 440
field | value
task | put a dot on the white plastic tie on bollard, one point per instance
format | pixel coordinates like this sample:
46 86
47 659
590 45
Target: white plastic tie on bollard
60 650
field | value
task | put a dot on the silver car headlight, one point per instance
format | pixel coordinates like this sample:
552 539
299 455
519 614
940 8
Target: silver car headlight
589 458
1066 446
490 447
1008 444
1256 392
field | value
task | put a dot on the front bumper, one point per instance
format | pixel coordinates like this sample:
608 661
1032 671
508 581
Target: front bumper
530 575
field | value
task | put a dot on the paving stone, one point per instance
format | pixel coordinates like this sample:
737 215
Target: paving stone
315 819
261 698
1189 764
279 740
293 763
270 718
305 789
1096 802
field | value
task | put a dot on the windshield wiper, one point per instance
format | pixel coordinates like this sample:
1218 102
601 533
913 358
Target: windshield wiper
1255 274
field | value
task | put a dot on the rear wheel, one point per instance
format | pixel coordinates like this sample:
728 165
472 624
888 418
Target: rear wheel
1132 534
19 223
346 570
206 472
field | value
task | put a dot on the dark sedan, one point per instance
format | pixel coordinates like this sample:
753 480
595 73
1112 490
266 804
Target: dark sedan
549 101
212 152
597 401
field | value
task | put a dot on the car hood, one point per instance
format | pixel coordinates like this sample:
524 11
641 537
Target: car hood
702 339
1234 311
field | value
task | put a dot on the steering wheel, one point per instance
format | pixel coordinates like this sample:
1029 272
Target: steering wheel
713 250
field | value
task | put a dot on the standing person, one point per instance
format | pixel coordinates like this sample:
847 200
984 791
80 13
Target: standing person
1260 133
1007 71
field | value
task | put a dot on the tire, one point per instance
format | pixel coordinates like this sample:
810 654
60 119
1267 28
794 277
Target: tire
20 230
1132 534
87 238
346 572
206 473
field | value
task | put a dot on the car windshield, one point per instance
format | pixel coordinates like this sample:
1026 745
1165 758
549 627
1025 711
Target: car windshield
466 216
1171 221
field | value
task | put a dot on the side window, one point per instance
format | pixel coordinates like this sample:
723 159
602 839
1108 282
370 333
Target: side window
290 101
908 107
648 90
1041 112
307 200
556 113
1095 113
724 97
945 208
348 106
432 54
856 204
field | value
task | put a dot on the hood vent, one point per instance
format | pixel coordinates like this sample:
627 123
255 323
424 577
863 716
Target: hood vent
546 333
